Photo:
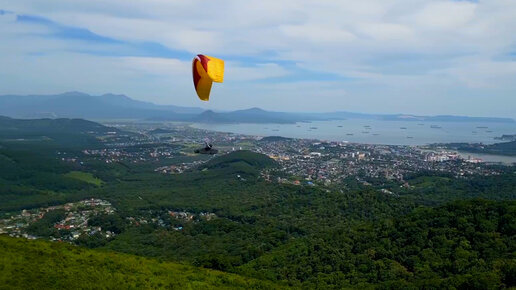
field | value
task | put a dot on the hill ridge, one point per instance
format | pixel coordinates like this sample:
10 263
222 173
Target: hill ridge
41 265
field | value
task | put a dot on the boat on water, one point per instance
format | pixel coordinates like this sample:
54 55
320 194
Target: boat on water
340 126
313 128
410 137
349 134
403 128
435 127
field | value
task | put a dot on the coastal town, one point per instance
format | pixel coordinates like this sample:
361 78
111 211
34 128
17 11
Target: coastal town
169 149
69 225
333 162
71 221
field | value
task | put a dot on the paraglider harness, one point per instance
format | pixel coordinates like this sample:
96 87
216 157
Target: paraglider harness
208 146
208 149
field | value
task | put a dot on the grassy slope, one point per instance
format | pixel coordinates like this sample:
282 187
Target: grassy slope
84 176
41 265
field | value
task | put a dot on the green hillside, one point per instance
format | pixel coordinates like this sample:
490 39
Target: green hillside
505 148
38 160
85 177
461 245
8 125
44 265
30 176
53 132
250 158
242 161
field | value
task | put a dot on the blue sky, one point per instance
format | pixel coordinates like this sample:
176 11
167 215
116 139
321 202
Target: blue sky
376 56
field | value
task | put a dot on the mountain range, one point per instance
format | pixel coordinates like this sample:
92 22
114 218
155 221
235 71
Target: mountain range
111 106
81 105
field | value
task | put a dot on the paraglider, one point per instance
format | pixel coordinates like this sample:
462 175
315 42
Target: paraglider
207 149
206 70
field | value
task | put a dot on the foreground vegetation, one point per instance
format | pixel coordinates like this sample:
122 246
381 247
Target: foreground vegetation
44 265
462 245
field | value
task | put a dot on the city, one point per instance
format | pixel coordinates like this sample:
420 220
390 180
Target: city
170 148
167 148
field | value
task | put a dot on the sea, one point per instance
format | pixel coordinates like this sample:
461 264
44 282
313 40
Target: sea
378 131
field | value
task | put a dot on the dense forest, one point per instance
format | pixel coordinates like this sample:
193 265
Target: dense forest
462 245
438 232
30 176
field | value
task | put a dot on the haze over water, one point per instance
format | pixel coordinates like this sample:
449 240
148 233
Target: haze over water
376 131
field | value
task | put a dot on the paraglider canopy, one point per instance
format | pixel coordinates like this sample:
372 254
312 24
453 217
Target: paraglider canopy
206 70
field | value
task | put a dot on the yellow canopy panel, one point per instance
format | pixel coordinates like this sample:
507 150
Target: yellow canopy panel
206 70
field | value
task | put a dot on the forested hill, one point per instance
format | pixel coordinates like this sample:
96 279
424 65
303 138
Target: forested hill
28 264
504 148
462 245
243 161
32 173
55 125
62 132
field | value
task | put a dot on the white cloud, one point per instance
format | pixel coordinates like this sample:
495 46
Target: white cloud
476 72
387 31
317 34
445 15
237 72
157 66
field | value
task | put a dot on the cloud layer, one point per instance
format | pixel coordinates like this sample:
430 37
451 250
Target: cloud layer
414 56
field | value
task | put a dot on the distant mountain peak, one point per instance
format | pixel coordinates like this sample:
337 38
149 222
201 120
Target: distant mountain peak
111 95
211 116
74 93
207 113
255 109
